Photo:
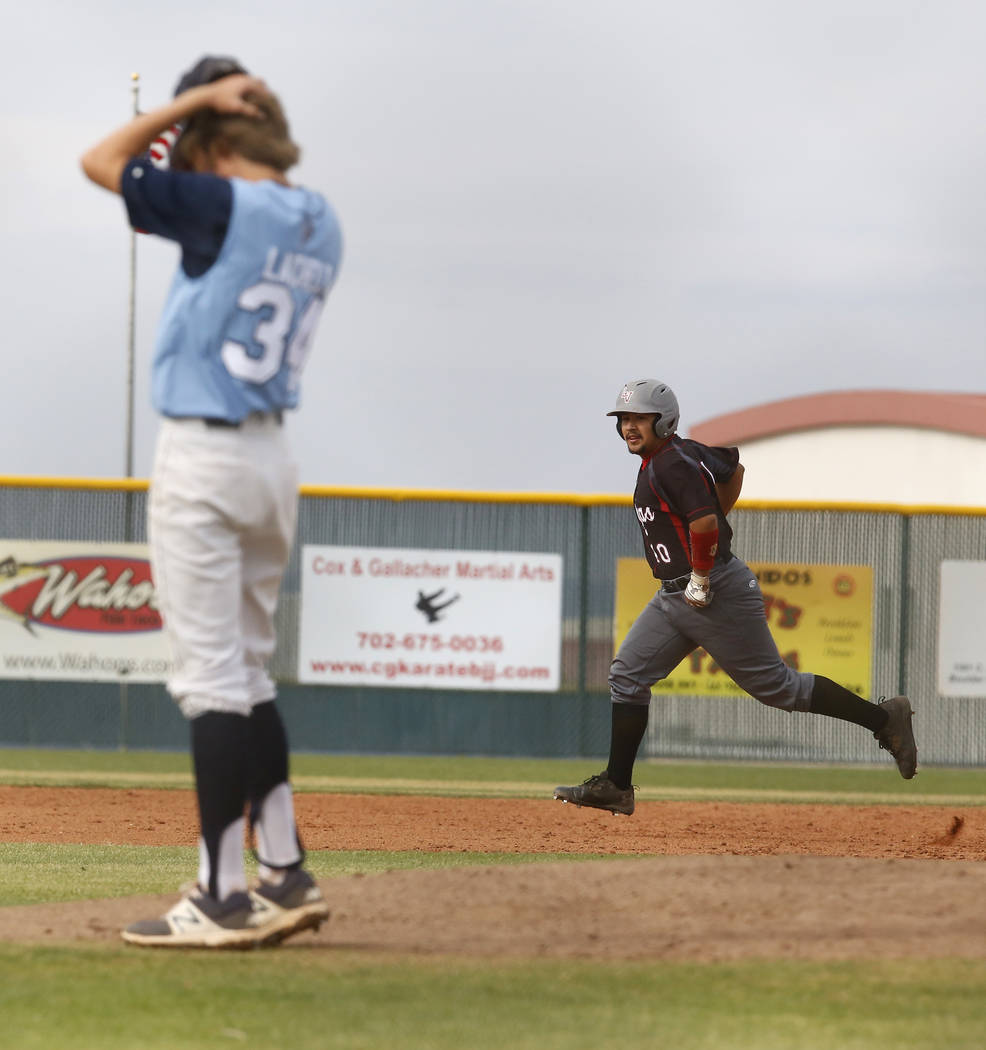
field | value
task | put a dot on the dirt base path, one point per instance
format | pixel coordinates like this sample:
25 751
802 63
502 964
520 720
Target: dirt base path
402 822
708 880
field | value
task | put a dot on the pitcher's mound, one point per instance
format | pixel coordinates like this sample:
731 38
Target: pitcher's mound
692 907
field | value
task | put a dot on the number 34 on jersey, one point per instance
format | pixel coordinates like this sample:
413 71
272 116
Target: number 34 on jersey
286 305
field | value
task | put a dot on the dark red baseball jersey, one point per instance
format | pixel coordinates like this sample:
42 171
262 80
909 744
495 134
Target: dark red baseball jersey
674 487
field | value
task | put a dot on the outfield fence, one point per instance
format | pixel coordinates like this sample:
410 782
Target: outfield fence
904 546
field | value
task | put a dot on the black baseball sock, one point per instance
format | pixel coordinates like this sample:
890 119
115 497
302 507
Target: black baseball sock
268 751
629 726
828 698
269 774
219 755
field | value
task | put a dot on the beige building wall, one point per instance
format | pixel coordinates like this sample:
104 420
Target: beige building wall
879 464
861 446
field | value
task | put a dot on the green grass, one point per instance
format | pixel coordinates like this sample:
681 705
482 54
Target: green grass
109 998
518 777
35 873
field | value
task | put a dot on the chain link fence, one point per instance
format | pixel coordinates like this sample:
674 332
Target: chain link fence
905 549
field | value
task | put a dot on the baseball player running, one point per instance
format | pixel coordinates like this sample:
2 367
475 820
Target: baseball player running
258 258
708 597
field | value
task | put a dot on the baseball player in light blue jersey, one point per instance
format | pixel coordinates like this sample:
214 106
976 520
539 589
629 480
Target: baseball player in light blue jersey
258 259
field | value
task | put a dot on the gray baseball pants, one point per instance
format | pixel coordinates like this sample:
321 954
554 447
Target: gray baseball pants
732 630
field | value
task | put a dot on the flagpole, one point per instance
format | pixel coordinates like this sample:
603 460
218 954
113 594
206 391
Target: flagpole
123 737
132 314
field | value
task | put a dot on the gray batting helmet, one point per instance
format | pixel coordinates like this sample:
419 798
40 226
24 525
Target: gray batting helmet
648 397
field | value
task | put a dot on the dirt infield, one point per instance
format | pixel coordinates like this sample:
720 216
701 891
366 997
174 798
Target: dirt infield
696 880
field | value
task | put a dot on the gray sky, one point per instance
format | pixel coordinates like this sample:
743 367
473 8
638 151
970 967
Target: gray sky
748 199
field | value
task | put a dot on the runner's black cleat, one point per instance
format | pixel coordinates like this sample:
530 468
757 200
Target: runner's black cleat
897 736
599 792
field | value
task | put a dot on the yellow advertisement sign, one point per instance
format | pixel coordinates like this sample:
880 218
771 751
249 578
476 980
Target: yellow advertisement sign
820 616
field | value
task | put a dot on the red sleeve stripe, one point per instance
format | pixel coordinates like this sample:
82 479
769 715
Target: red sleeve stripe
679 525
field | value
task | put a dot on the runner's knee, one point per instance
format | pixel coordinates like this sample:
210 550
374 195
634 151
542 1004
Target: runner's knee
624 689
783 688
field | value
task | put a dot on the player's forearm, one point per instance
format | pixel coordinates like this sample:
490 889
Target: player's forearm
104 162
704 536
704 539
707 523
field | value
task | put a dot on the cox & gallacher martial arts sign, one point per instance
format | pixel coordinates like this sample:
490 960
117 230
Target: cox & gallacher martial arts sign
430 618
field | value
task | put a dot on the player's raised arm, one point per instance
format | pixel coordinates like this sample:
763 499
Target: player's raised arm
229 469
104 162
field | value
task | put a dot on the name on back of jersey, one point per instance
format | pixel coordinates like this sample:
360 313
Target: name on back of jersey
298 270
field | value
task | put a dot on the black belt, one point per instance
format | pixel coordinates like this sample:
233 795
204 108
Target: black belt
215 421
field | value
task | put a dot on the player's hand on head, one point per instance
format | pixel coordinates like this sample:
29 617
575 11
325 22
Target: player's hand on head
230 94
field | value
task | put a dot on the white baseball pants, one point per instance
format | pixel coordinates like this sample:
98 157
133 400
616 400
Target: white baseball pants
221 520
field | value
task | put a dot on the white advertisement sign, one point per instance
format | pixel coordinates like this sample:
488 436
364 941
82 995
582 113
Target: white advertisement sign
79 611
425 618
961 630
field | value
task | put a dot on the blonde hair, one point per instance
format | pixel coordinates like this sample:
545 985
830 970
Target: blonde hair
265 139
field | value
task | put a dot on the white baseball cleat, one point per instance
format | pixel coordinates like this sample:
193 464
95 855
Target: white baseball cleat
288 907
198 920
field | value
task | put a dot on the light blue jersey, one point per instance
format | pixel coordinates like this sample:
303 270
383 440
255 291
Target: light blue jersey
234 340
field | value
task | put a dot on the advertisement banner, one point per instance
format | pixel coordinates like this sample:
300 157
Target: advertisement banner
961 635
820 616
79 611
426 618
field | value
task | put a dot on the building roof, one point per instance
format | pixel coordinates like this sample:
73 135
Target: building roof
955 413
